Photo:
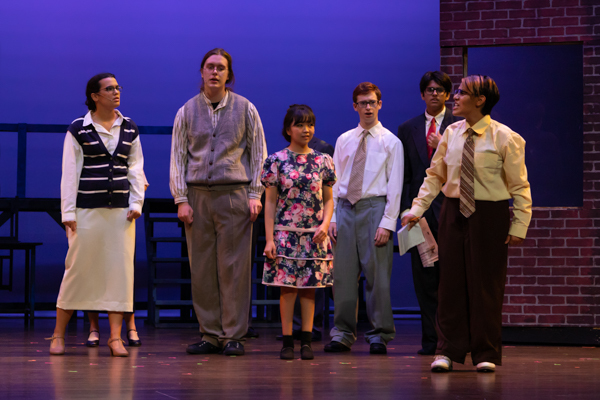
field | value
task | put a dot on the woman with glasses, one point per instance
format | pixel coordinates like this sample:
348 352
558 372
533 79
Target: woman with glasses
480 166
102 192
298 209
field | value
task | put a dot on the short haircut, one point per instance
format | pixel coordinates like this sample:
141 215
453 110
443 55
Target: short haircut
482 85
441 78
93 86
220 52
297 113
365 88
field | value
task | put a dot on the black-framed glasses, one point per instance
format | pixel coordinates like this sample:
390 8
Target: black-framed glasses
111 89
365 103
432 90
460 92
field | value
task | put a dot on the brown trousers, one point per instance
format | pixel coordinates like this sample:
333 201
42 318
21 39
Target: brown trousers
219 241
473 261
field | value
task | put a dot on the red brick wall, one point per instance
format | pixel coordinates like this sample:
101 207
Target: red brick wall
554 278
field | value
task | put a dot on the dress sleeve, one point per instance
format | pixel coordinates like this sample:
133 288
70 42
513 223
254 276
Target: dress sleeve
270 172
329 177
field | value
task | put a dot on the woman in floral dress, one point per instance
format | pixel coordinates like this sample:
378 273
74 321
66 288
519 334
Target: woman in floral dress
298 209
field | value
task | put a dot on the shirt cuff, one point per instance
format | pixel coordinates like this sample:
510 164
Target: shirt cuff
182 199
518 230
417 211
388 224
135 207
254 195
69 216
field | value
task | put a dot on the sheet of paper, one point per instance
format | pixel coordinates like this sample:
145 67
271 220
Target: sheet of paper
408 239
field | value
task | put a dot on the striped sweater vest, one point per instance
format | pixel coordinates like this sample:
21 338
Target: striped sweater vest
103 181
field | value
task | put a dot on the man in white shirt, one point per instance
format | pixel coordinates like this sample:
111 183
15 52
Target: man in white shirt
369 161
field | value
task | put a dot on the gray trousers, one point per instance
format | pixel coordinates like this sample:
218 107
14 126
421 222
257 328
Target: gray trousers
355 252
219 241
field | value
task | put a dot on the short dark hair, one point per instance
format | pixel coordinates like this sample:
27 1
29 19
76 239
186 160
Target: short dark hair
220 52
93 86
365 88
482 85
441 78
297 113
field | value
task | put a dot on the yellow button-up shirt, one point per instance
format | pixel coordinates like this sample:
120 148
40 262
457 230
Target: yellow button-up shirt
500 171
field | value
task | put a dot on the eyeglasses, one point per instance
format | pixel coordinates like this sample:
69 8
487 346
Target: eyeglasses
460 92
111 89
211 67
364 104
432 90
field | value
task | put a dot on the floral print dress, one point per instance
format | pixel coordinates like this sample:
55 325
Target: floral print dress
299 179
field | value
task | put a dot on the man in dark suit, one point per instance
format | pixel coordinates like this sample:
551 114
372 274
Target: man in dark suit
420 137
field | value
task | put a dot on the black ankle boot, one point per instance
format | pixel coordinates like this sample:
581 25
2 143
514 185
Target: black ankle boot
306 352
287 351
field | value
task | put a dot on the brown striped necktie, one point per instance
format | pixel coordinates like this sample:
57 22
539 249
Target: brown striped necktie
358 171
467 175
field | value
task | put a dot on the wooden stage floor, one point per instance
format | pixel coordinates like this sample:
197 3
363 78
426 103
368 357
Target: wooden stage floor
161 369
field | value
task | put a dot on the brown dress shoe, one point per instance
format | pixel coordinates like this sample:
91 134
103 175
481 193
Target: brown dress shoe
116 348
57 345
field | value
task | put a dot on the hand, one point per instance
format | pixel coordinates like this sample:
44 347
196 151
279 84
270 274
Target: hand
434 140
332 231
513 240
255 206
133 214
270 250
409 219
72 225
185 213
382 236
320 234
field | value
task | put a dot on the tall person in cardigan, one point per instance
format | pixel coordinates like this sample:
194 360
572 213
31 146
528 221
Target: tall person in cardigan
102 193
217 152
420 137
298 209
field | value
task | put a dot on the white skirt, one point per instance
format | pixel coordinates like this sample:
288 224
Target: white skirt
99 265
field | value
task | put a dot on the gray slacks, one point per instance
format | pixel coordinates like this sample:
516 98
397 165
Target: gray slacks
219 246
355 252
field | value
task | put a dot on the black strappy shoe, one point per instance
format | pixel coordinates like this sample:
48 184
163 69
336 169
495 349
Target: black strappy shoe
133 343
93 343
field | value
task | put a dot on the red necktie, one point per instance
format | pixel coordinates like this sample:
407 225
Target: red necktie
430 132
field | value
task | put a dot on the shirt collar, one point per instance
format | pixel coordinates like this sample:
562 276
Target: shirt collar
222 103
481 125
438 118
87 120
374 131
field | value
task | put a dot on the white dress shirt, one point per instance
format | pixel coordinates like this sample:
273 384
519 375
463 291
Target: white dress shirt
73 164
384 169
179 150
438 121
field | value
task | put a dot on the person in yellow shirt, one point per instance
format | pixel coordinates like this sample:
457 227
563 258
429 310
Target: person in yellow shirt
479 165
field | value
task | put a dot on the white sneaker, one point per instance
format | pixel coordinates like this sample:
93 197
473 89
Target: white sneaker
441 364
486 367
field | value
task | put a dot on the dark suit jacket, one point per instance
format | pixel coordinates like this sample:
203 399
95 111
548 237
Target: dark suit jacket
416 162
321 146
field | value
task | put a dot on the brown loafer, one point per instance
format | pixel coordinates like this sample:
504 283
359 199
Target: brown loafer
117 349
